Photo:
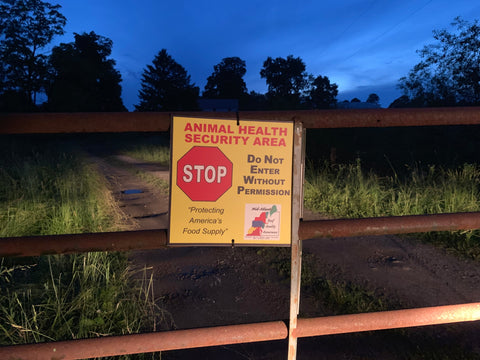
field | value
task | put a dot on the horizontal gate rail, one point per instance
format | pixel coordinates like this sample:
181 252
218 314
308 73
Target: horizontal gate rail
78 243
149 342
155 239
236 334
384 320
56 123
389 225
51 123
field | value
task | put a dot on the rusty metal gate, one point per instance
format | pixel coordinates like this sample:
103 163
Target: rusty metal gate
151 239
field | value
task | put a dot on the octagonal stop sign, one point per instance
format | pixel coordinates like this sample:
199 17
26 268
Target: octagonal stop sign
204 173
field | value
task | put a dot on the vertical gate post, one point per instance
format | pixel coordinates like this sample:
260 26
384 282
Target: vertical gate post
296 247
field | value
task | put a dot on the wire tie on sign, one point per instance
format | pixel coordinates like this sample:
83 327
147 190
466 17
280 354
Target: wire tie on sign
238 121
233 243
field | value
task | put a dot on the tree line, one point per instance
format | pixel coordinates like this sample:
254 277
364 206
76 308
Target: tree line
166 86
81 76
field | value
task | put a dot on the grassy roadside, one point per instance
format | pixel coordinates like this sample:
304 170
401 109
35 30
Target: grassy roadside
46 191
47 187
149 153
146 176
346 191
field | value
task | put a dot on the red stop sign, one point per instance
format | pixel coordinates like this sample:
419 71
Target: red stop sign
204 173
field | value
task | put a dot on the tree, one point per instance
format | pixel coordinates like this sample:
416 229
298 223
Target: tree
254 102
83 77
373 99
226 81
286 80
323 94
449 73
355 100
166 86
401 102
26 27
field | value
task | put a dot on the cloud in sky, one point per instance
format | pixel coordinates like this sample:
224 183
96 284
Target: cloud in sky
358 44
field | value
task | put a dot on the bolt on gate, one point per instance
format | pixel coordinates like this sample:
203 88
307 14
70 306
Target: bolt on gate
301 230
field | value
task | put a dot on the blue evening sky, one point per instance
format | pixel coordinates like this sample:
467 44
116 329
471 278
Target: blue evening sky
362 46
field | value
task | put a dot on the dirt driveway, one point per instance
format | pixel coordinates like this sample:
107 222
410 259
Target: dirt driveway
209 286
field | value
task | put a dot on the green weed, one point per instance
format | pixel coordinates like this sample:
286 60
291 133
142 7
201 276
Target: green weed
80 296
150 153
346 191
45 191
47 187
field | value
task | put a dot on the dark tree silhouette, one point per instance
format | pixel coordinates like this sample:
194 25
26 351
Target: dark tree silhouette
286 80
166 86
373 99
226 81
83 78
449 73
26 27
323 94
401 102
254 101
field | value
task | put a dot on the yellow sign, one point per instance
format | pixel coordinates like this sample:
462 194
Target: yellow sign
231 182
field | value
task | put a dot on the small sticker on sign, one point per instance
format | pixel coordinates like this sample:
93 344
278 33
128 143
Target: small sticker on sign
262 221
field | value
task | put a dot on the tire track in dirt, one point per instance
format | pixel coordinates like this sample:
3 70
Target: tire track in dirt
145 205
403 268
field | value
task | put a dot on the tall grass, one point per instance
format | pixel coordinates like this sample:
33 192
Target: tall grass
73 297
150 153
47 191
348 191
48 187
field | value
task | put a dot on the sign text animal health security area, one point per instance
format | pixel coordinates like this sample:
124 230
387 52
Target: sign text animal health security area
231 181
